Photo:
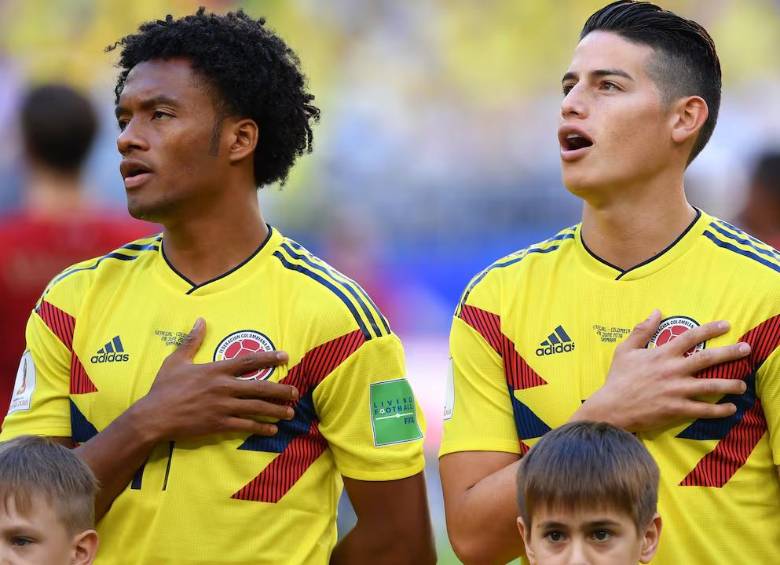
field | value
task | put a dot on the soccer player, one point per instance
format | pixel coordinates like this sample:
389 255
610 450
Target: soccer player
535 333
219 379
588 493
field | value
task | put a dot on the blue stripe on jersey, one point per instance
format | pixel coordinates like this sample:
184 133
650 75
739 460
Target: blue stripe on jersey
329 273
746 241
528 424
735 229
288 430
524 253
324 282
112 255
81 429
338 276
745 253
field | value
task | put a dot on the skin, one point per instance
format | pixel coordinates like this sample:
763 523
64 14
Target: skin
38 537
201 188
588 537
634 206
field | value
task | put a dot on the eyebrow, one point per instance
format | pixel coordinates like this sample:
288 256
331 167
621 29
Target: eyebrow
148 103
599 73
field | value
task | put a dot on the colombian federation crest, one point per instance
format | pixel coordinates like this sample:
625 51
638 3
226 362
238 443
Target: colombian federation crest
672 327
243 343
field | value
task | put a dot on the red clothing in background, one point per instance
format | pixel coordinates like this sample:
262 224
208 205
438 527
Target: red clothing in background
32 251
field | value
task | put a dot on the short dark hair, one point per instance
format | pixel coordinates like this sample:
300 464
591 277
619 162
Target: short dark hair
686 63
766 172
251 70
58 126
588 465
32 466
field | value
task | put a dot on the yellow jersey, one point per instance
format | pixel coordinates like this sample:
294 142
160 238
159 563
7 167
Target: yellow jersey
98 337
533 338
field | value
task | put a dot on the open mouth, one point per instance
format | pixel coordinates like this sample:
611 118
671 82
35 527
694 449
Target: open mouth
134 172
574 141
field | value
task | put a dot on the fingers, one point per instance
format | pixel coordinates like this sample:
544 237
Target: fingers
250 426
252 362
713 387
696 409
264 389
189 347
707 358
692 338
252 408
643 331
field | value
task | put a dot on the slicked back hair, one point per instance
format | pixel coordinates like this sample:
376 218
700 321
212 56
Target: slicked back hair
588 465
34 468
250 72
685 64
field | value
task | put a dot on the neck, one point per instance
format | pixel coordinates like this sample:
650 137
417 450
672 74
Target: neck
205 246
50 194
638 223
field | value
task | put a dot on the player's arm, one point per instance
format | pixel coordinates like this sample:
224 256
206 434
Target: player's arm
374 429
652 388
479 452
393 523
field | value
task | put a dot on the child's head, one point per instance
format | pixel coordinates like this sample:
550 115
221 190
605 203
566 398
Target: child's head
47 498
587 493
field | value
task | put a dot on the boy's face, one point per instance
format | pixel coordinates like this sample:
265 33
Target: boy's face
589 537
38 537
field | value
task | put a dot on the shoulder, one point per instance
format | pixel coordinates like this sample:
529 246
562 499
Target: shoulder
738 249
69 286
511 269
329 294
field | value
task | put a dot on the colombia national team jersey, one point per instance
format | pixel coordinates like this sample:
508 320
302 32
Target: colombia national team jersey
98 337
534 335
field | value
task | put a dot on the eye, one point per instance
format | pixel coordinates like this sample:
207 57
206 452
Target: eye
122 123
609 85
159 115
601 535
21 541
555 536
567 88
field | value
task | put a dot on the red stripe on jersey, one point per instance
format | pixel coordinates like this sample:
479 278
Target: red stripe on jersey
763 340
288 467
59 322
283 472
63 325
719 465
519 374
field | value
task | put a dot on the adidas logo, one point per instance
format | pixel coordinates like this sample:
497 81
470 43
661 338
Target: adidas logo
557 342
111 352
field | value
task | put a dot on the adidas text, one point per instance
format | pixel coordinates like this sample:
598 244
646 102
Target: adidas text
559 348
110 357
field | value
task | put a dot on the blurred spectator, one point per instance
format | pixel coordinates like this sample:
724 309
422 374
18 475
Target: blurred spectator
57 224
761 215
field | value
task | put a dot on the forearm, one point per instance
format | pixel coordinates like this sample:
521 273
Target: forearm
115 454
482 522
378 546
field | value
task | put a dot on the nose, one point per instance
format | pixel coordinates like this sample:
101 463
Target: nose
131 138
574 104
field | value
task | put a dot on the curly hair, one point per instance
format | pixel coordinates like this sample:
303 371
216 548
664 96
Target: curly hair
253 72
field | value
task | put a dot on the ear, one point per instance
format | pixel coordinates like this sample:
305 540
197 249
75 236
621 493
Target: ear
525 534
688 117
650 539
242 139
84 548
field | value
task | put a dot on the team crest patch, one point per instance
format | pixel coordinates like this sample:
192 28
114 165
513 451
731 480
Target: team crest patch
672 327
243 343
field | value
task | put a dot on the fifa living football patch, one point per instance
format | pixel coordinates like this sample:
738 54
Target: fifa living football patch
393 413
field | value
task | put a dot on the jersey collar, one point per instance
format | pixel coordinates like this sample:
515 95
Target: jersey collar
676 249
235 276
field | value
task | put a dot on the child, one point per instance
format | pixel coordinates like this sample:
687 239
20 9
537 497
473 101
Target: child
47 497
587 493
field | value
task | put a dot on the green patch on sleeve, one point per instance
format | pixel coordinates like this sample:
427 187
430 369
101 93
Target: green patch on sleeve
393 413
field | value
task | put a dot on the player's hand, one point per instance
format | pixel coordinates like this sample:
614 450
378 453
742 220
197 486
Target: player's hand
188 399
656 388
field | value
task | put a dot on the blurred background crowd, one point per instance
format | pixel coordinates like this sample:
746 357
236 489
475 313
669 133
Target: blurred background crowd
437 151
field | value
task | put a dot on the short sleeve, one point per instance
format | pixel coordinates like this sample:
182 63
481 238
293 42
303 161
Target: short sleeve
39 403
478 415
369 415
